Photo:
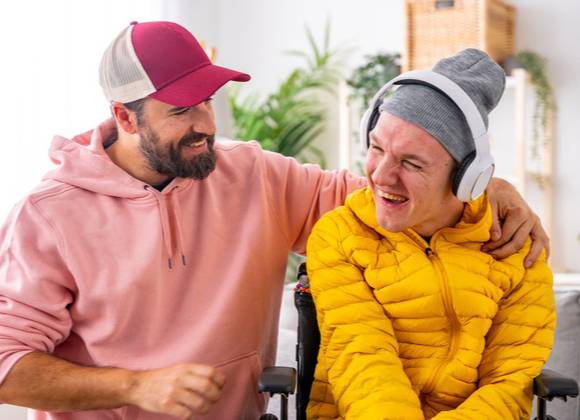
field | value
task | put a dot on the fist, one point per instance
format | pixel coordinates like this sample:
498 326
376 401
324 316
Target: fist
180 391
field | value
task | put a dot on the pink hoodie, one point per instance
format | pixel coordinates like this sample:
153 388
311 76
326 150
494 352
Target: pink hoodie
101 269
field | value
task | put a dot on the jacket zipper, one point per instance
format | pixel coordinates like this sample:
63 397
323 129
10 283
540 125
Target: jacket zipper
450 312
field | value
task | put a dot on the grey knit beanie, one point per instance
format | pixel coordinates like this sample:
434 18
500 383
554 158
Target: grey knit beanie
477 74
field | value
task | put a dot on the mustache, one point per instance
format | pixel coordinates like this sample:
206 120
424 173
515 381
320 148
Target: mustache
195 137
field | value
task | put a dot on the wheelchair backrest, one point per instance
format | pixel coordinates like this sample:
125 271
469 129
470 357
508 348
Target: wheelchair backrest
308 342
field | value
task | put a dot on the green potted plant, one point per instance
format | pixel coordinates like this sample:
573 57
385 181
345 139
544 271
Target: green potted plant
292 117
545 105
368 78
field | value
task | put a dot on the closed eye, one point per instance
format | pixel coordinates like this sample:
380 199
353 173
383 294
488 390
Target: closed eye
374 146
410 165
181 111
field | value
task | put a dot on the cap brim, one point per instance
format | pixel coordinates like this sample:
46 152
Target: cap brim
198 85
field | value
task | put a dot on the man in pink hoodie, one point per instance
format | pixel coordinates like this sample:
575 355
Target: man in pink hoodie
142 278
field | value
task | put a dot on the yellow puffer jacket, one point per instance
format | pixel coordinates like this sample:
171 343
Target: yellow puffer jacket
411 330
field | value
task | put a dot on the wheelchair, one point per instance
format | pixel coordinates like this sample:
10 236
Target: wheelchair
284 380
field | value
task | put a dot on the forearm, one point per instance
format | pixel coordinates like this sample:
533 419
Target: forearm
45 382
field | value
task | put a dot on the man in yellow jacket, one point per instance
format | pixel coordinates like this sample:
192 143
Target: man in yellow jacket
416 321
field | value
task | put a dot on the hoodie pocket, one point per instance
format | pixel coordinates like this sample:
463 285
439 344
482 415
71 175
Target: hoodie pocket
240 398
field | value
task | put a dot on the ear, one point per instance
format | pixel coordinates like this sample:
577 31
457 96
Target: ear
126 119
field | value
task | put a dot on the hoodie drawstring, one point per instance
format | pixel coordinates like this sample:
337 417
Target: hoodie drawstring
177 209
166 225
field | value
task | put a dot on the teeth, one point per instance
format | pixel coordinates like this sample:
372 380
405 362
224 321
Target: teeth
196 144
391 197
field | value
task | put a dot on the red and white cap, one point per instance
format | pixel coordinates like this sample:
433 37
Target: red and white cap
162 60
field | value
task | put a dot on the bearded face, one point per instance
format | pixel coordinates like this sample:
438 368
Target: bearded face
193 156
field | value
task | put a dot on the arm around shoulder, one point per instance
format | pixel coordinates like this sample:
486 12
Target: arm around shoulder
302 193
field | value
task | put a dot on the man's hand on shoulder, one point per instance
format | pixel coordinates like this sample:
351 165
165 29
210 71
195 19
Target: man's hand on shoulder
180 391
513 223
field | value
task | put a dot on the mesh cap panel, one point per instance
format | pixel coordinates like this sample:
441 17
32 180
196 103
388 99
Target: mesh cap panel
121 74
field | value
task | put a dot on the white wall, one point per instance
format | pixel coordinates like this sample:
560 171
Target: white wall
50 56
255 34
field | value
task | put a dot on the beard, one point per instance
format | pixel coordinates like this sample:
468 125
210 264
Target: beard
167 160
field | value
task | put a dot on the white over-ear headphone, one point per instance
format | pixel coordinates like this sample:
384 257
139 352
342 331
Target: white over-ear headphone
475 171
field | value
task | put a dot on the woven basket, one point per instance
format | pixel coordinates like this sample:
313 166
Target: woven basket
439 28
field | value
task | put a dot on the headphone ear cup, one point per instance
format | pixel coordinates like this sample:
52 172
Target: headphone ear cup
373 122
460 171
362 131
368 122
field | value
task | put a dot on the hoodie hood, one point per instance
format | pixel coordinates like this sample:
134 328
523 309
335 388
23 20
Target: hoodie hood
83 162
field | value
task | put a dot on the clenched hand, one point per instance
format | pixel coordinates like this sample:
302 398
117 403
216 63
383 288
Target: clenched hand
180 391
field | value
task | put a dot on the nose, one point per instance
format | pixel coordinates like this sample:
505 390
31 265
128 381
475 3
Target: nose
386 172
203 119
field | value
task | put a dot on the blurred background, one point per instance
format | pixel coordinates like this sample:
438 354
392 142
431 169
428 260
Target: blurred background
314 65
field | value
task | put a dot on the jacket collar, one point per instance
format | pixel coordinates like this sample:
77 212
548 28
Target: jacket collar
474 225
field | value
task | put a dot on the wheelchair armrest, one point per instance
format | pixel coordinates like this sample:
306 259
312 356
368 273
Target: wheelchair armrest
550 384
277 380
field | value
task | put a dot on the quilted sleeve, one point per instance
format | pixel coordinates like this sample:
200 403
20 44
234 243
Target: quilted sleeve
358 351
517 346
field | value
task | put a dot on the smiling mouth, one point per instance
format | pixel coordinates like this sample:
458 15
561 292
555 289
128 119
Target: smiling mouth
196 144
392 198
